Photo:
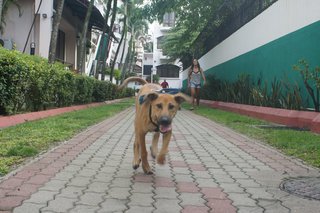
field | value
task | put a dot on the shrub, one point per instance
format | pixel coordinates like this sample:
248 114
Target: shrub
29 83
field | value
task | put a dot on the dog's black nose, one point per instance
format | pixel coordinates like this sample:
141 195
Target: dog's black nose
165 120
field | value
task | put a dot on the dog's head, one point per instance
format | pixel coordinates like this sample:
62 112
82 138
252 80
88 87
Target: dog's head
163 108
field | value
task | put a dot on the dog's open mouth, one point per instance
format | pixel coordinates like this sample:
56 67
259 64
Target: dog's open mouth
165 128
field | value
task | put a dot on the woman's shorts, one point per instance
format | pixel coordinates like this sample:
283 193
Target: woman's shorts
193 85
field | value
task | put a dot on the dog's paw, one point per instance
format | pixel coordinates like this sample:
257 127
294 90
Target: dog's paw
136 165
149 172
161 159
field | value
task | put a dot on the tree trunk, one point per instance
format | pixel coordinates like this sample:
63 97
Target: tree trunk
1 3
83 39
117 53
104 46
113 18
54 33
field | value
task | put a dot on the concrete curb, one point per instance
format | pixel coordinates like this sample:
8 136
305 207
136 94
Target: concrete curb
292 118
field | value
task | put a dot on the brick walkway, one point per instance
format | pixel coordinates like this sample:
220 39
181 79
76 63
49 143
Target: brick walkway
209 169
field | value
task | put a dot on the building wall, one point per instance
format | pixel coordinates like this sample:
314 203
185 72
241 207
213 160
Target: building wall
270 44
158 57
44 23
16 27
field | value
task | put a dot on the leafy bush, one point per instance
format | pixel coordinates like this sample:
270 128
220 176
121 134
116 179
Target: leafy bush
245 91
29 83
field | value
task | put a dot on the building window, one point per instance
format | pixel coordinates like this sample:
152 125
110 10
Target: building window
61 41
160 42
168 71
168 20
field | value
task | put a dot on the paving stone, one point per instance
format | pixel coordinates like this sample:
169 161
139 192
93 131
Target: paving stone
72 192
240 199
41 197
29 208
118 193
89 198
192 199
248 209
166 193
100 187
60 205
141 199
167 206
84 209
54 185
142 188
139 209
113 205
79 181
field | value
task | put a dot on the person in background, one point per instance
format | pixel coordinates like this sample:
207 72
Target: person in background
194 81
165 84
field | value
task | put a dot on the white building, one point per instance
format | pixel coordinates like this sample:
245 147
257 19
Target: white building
165 68
36 18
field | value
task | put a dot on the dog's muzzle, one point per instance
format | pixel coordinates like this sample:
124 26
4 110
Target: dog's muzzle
164 124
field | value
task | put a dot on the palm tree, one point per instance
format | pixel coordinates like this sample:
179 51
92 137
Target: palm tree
1 3
117 52
103 47
54 33
83 38
113 18
137 26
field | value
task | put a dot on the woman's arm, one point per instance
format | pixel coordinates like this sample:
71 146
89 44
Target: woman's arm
189 74
203 76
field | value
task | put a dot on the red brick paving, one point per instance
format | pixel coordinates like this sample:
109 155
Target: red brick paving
187 187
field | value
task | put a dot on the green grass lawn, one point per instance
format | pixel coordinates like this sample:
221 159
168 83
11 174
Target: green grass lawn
301 144
25 140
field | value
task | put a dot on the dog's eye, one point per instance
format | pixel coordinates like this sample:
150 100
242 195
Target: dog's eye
159 106
171 106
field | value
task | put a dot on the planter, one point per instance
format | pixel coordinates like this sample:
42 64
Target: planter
291 118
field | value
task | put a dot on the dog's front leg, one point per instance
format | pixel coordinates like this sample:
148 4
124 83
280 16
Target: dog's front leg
154 146
144 155
164 149
136 153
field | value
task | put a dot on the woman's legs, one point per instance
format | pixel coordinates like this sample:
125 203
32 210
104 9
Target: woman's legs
198 95
192 96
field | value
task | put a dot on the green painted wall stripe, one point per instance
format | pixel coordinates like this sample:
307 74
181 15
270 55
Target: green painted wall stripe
276 58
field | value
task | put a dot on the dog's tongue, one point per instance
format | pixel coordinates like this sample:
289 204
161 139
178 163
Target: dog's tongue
165 128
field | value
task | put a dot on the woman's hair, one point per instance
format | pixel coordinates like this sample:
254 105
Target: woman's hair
192 66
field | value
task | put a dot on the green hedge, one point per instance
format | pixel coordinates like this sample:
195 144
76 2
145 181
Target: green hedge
29 83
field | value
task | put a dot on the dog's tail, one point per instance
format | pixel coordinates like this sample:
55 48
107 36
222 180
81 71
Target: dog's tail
133 79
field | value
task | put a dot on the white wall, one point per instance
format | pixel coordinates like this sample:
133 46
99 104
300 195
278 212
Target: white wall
45 26
16 27
282 18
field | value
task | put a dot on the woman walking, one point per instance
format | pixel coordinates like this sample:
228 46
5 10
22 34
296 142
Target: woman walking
194 81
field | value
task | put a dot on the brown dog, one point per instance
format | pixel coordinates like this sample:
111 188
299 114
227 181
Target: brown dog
154 113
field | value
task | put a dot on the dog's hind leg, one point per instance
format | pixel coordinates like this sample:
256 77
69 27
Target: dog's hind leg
136 154
154 146
164 149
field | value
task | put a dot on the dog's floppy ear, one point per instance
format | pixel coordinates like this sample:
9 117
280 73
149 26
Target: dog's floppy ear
152 96
179 98
148 97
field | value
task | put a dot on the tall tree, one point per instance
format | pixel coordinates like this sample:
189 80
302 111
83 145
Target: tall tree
125 31
1 3
114 13
117 52
109 38
54 33
103 42
83 38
